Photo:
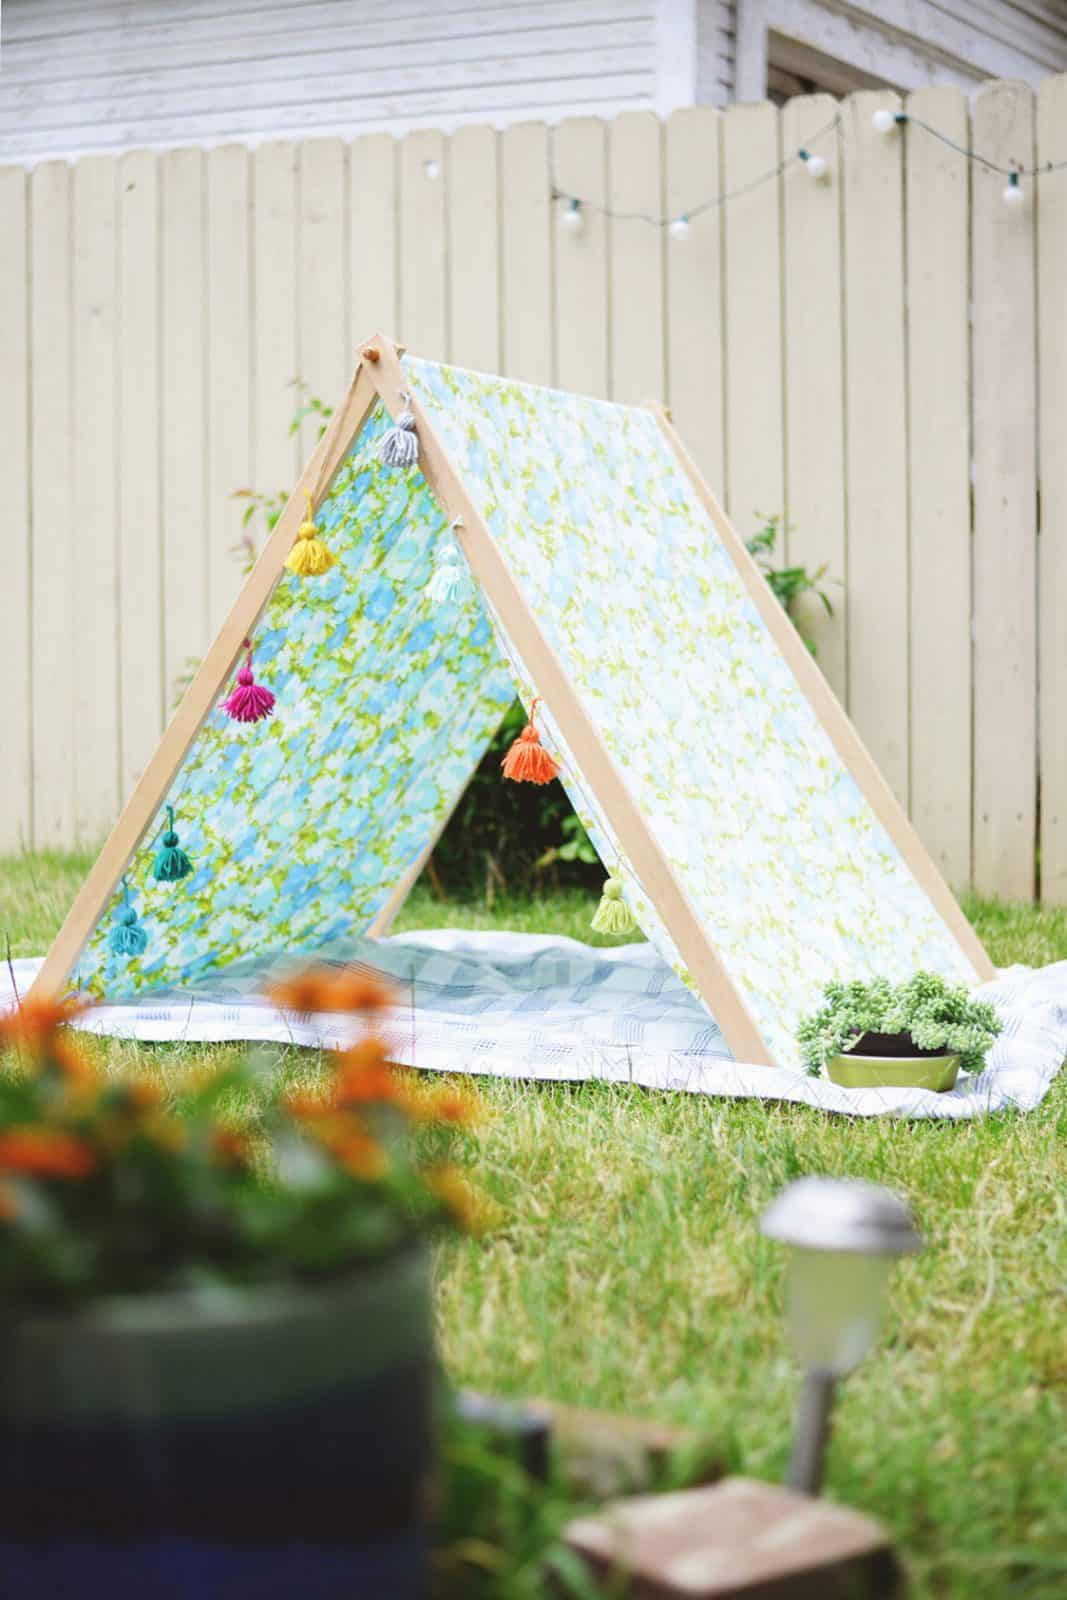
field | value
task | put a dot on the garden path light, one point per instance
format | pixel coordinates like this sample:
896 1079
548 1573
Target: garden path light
844 1236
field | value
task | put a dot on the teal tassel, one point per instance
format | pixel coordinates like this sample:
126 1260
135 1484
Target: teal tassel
127 937
171 864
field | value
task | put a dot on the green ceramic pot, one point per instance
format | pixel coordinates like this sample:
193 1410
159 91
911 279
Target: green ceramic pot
881 1061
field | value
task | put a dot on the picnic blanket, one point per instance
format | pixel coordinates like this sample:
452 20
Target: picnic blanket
532 1006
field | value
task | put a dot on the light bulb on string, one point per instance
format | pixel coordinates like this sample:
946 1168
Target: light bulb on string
431 169
884 120
815 164
572 218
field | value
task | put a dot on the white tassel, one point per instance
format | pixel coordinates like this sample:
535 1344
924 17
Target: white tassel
399 445
446 581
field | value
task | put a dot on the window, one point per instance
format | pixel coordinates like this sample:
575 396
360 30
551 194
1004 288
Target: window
794 68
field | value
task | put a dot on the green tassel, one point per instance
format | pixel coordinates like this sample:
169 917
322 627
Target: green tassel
127 937
613 915
171 864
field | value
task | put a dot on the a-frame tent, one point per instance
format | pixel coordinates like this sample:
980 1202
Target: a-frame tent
758 844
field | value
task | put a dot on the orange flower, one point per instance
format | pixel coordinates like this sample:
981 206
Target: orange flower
9 1205
445 1103
45 1153
144 1094
364 1077
322 989
458 1106
364 1158
167 1132
355 1150
230 1147
473 1210
34 1021
73 1062
363 991
302 1105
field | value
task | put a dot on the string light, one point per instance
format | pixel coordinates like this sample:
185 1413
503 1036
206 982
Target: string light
884 120
815 164
1013 171
679 225
431 169
572 218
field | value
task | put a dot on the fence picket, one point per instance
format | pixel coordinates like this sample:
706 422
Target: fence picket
526 253
275 455
229 424
373 210
877 441
635 172
578 159
95 619
184 417
424 188
694 289
1052 545
474 249
1005 495
814 499
55 818
751 223
141 592
325 360
16 809
939 494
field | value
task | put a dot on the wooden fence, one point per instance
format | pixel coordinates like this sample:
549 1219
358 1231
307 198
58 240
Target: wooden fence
880 356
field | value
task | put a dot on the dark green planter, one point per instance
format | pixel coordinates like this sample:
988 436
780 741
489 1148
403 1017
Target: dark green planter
247 1443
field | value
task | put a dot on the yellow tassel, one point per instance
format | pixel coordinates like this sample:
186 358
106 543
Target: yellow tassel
309 557
613 915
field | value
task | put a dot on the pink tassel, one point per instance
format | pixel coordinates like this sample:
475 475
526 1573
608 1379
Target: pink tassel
249 701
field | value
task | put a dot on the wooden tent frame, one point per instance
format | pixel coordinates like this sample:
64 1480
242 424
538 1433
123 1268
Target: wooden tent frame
379 375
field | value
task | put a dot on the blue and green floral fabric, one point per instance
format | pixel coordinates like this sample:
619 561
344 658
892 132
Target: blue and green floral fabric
793 876
300 827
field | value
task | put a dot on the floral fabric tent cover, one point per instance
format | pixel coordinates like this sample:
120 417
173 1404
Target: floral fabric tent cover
521 536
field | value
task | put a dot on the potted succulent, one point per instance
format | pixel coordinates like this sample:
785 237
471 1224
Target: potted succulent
917 1034
216 1356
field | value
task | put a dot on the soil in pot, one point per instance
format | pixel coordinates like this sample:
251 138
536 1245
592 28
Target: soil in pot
893 1061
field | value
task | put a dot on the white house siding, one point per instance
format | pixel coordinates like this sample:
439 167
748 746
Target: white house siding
81 75
90 75
716 50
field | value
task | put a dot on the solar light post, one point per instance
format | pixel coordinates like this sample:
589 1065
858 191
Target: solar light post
844 1237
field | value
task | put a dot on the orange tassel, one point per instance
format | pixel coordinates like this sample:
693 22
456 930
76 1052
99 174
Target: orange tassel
528 761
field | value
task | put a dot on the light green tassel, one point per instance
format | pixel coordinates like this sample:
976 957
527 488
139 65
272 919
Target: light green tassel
613 915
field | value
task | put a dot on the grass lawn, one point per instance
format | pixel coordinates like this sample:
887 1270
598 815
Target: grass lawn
629 1273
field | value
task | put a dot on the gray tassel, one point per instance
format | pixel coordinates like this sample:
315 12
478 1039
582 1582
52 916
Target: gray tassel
400 445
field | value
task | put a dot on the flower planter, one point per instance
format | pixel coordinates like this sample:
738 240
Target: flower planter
268 1441
892 1061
